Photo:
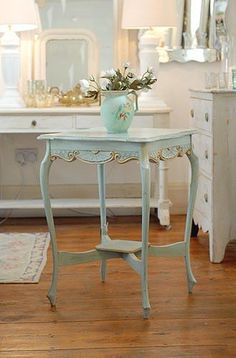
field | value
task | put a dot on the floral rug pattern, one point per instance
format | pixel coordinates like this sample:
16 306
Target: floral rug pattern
22 256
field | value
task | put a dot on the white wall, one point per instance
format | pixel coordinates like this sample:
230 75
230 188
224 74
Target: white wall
174 81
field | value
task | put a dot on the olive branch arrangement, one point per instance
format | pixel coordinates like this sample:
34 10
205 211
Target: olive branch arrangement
117 80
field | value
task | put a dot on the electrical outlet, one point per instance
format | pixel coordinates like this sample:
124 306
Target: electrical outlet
26 155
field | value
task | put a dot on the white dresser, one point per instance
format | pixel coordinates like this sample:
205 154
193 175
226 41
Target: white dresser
213 113
35 121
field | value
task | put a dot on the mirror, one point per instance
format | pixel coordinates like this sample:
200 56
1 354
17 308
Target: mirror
79 37
66 55
201 33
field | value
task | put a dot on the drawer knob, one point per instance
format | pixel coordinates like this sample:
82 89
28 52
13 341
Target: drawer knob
34 123
192 113
206 154
206 117
206 198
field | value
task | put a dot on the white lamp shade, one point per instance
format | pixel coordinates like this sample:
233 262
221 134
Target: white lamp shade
19 15
138 14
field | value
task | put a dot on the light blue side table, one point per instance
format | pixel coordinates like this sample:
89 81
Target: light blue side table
96 146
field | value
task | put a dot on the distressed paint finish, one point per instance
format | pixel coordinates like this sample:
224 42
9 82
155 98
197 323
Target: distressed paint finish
44 181
103 224
145 180
213 114
97 147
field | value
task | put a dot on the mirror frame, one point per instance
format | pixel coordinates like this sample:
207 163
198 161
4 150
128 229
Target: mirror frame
64 34
211 53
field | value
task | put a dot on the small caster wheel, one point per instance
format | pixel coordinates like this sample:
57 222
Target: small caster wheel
146 313
194 230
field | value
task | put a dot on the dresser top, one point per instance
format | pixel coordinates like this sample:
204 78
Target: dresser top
212 94
214 91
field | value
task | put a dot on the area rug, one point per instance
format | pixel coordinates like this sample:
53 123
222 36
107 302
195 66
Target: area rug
22 256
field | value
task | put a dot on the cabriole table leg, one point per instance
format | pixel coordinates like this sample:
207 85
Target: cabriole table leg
145 178
44 180
192 195
103 224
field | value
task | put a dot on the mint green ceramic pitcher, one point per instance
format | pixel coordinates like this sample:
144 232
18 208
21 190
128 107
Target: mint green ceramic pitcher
117 110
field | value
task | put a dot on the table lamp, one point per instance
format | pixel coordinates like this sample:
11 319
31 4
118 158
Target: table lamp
145 15
15 16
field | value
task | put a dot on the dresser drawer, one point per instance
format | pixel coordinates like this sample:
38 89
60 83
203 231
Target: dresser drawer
36 123
201 114
203 148
204 196
84 121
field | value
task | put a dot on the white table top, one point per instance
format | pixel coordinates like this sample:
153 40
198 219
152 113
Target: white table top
143 135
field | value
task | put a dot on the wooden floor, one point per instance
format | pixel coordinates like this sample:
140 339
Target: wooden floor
104 320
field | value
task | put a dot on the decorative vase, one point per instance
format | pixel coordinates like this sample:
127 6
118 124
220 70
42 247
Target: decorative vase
117 110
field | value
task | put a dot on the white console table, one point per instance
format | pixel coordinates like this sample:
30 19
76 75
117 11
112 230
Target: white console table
60 119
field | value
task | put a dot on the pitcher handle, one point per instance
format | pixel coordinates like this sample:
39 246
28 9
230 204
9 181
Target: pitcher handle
136 99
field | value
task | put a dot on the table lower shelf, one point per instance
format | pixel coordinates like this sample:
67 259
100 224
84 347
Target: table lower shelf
75 203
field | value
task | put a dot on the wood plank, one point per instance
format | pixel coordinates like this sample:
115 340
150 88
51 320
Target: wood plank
95 319
113 334
160 352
